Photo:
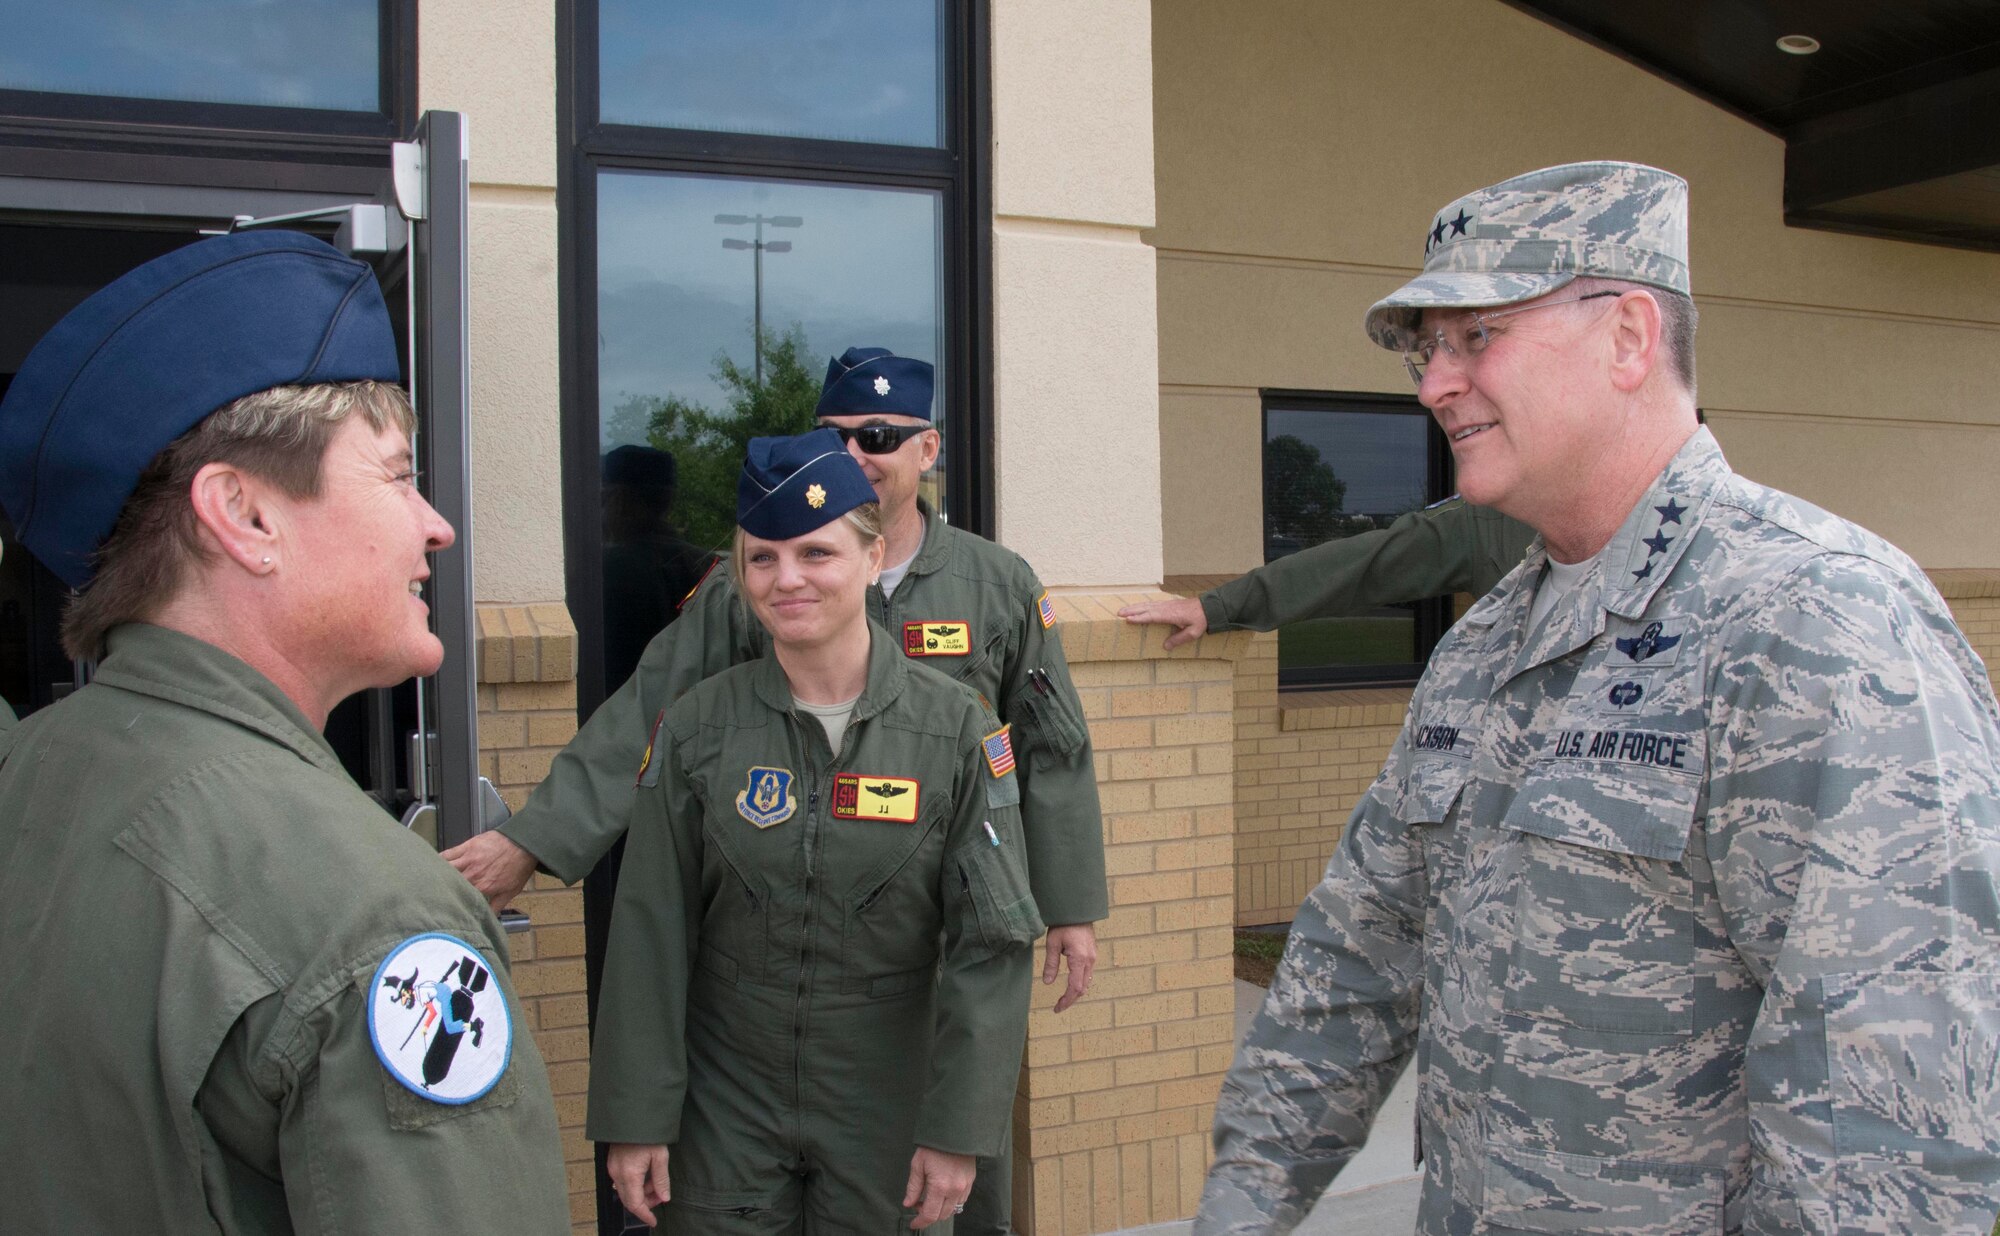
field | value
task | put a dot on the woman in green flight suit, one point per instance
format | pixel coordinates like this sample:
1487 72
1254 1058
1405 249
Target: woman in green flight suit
816 986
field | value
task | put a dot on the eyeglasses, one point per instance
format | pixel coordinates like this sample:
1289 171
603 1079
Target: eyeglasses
1473 334
880 439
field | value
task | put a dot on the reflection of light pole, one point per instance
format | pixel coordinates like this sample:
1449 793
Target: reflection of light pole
758 248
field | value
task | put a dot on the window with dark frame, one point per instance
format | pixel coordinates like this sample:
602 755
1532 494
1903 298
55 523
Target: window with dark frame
741 199
1336 466
218 92
745 191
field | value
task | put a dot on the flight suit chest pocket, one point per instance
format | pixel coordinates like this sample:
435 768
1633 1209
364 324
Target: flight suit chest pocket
892 913
736 910
1603 909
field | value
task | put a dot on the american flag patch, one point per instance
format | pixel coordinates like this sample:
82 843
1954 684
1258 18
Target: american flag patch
999 751
1048 611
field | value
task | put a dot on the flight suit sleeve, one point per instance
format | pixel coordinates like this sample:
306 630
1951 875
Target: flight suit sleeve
1335 1029
1456 547
638 1064
1058 778
990 924
355 1149
584 804
1853 826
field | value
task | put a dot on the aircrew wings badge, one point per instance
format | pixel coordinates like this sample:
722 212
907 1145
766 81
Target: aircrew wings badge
768 798
438 1020
860 797
999 748
937 638
1047 611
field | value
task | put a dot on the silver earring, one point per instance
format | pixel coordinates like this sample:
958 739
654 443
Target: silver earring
267 560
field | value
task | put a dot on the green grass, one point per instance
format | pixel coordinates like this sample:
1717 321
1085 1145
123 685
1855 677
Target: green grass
1260 945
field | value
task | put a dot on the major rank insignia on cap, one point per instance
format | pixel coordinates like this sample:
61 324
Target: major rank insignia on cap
1047 611
438 1020
999 748
859 797
768 798
815 496
937 639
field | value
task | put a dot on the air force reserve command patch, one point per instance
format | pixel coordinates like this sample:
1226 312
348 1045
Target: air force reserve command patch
438 1020
768 798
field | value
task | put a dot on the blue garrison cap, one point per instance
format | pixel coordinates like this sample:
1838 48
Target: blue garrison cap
791 486
149 356
875 382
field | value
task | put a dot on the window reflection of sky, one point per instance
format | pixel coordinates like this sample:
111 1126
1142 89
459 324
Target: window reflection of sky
844 70
1380 455
298 53
863 270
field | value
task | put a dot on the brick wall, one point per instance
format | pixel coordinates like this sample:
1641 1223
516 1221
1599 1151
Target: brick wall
1112 1116
527 711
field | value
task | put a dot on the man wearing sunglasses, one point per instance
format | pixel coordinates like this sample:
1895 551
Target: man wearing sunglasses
1679 885
957 602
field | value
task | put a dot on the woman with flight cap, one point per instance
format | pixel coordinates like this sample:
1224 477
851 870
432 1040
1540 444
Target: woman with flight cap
815 993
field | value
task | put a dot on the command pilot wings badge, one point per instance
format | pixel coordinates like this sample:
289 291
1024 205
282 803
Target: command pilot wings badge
438 1021
1649 643
856 797
768 798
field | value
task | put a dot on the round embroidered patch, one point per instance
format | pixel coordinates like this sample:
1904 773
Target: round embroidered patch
438 1019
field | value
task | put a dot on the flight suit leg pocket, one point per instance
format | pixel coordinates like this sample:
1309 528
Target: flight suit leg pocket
1603 909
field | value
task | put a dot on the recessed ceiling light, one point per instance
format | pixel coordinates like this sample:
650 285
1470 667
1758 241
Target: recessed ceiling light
1798 44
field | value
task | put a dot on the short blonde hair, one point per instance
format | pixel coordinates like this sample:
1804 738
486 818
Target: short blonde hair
280 434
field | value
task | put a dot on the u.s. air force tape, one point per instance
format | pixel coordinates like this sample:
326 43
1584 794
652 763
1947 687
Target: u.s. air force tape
438 1019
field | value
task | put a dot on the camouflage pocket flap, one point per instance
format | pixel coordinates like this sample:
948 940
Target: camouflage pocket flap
1547 1191
1626 810
1430 789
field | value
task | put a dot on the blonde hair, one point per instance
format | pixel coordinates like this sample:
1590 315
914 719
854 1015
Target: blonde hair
280 435
866 520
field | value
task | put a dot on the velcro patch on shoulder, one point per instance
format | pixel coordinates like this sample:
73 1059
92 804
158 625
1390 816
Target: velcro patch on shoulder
1003 788
438 1019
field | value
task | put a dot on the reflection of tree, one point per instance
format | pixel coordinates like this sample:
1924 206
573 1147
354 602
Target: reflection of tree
709 445
1302 496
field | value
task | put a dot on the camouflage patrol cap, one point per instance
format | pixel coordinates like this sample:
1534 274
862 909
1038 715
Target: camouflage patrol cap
1530 235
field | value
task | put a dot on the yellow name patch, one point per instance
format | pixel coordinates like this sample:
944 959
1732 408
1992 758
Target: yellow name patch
937 639
894 799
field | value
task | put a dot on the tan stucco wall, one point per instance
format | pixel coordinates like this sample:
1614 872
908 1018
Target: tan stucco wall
495 60
1074 304
1302 147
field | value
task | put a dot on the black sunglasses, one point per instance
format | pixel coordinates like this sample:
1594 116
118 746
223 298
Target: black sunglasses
880 439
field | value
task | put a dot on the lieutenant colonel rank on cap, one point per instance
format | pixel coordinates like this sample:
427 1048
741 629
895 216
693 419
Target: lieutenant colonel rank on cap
875 382
790 486
1528 236
155 352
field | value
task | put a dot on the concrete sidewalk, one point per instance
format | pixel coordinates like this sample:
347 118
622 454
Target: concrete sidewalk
1377 1192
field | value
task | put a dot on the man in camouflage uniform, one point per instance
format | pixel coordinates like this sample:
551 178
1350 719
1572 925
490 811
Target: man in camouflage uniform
1679 883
